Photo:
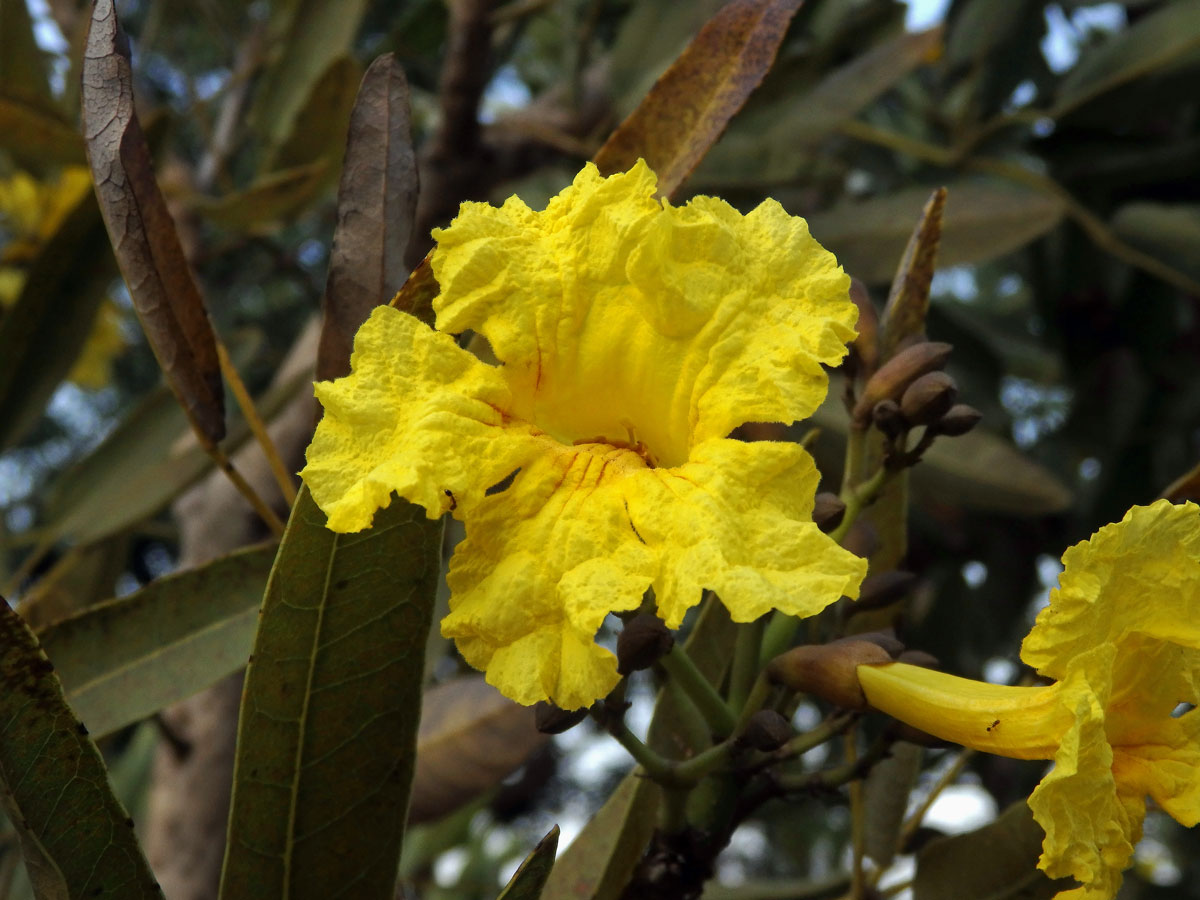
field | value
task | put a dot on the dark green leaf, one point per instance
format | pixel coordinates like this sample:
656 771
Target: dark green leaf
36 136
128 658
76 839
530 878
328 730
23 65
269 199
1170 232
319 131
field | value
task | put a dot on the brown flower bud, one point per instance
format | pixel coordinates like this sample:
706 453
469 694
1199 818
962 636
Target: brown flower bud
767 730
641 643
551 719
918 658
884 589
958 421
928 398
862 539
828 511
828 671
897 374
887 418
866 345
885 640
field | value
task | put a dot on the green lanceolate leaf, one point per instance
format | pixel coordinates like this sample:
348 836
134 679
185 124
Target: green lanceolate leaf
128 658
527 882
76 839
328 729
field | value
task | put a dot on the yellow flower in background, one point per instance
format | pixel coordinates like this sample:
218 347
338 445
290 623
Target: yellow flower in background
1121 638
31 212
633 336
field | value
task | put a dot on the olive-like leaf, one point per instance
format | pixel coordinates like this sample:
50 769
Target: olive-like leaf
328 729
126 659
377 202
76 839
23 65
144 239
37 136
690 105
530 878
471 738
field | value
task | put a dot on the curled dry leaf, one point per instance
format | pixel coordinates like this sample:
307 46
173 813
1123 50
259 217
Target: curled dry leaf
144 239
690 105
471 739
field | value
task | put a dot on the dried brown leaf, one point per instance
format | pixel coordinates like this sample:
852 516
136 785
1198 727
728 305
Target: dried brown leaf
471 739
377 202
908 301
690 105
143 234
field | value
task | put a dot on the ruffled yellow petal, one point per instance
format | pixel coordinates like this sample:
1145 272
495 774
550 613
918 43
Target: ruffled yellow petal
585 530
418 416
619 317
1091 825
1140 576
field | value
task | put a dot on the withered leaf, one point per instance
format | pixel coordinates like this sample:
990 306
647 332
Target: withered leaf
908 301
689 106
144 239
377 201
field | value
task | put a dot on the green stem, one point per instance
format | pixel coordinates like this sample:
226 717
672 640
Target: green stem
745 662
669 773
858 497
755 701
851 770
657 767
830 728
682 670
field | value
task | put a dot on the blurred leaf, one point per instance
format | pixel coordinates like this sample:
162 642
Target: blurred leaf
1150 43
42 334
950 868
908 301
598 863
984 220
23 65
885 798
319 131
143 234
471 738
76 839
530 878
328 730
690 105
81 578
126 659
147 461
269 199
1169 232
377 202
36 136
305 38
848 89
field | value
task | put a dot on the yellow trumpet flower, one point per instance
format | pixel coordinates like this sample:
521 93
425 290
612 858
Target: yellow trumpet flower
1121 638
633 336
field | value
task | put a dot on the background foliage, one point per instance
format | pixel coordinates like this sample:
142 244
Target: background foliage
1066 133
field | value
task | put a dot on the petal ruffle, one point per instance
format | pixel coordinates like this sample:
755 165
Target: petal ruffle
585 530
418 416
618 316
1091 825
1139 576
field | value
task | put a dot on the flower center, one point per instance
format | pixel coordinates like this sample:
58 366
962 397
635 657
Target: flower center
630 442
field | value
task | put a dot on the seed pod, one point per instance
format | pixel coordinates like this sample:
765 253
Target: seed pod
958 421
828 511
767 730
551 719
828 671
897 374
642 642
928 398
884 589
887 418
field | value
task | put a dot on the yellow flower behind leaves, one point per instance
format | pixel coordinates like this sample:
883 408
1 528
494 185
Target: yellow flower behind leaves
633 337
1121 638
